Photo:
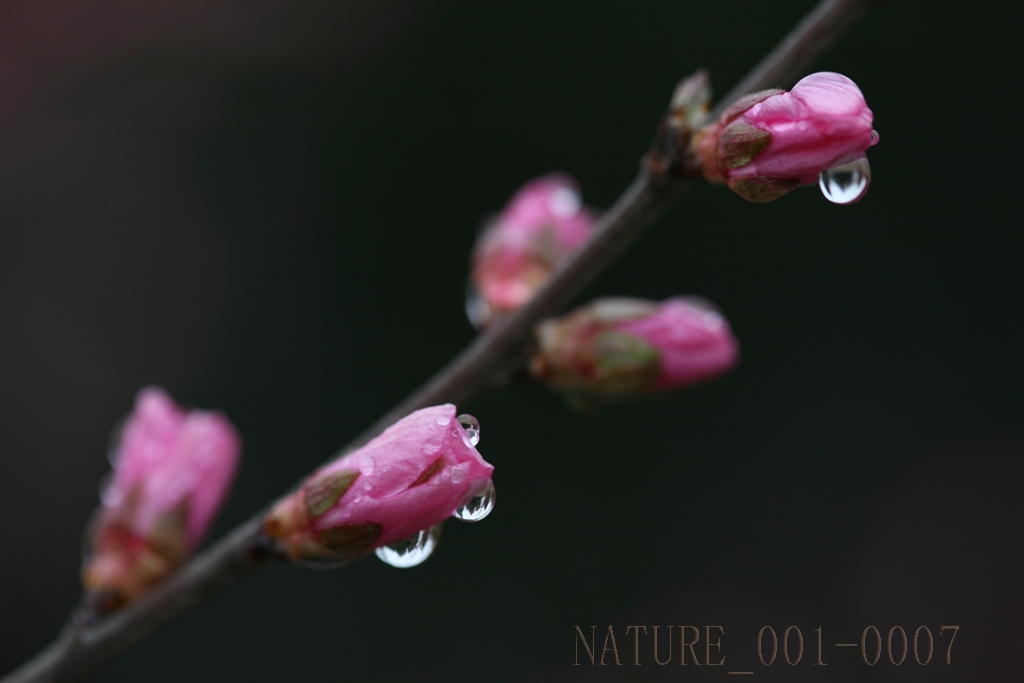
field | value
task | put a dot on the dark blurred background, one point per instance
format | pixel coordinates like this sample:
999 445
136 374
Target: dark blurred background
267 207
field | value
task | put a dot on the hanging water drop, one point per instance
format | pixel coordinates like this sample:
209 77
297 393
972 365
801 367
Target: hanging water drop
413 550
846 183
477 507
472 427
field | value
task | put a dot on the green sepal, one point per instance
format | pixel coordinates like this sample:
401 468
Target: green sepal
740 143
760 189
349 540
623 363
167 534
323 491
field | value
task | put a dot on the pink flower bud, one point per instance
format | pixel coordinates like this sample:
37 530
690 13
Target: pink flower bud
417 473
622 347
773 141
542 224
172 471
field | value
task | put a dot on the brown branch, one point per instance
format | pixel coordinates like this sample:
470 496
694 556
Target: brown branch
494 353
649 195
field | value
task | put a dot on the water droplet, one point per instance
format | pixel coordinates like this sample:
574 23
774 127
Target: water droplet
471 425
713 321
477 507
114 443
477 309
699 303
564 202
366 465
110 496
413 550
846 183
459 473
874 137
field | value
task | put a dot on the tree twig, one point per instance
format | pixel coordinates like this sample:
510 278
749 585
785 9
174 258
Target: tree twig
822 28
80 649
639 206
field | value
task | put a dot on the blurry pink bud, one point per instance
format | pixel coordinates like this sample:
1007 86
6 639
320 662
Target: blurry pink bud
622 347
417 473
172 471
543 223
770 142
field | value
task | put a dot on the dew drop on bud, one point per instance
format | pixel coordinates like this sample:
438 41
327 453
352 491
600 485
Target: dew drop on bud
411 551
477 507
846 183
114 443
564 202
472 427
477 309
110 496
366 465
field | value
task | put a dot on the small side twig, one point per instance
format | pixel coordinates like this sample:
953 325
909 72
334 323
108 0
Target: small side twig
80 649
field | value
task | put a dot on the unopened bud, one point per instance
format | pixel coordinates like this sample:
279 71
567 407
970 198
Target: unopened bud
543 224
417 473
770 142
623 347
172 472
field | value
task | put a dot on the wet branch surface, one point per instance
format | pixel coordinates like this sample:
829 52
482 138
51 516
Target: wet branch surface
480 366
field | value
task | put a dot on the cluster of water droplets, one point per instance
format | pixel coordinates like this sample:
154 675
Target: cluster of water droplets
418 547
847 181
